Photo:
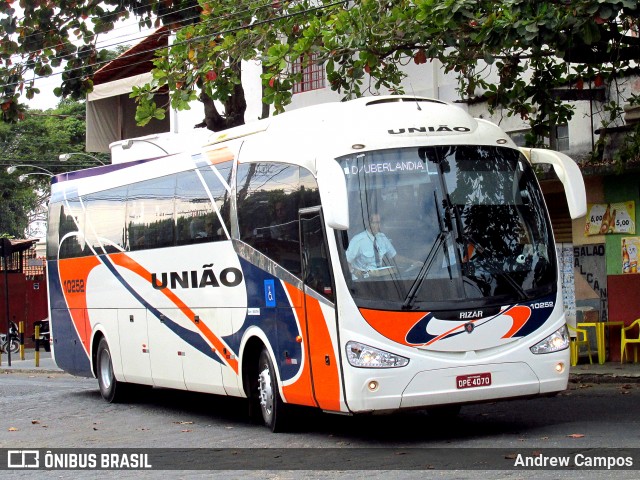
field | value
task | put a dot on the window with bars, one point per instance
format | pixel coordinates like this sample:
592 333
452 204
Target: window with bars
561 137
312 74
24 261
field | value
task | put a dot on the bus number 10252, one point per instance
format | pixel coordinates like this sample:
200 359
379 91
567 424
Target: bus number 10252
74 286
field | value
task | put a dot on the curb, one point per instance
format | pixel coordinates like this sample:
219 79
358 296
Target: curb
5 370
603 378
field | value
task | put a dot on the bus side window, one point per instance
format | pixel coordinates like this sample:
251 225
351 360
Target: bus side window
53 227
67 220
269 195
217 178
309 192
317 273
196 221
105 213
150 213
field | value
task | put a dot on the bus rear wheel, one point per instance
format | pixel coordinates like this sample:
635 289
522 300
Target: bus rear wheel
272 407
111 389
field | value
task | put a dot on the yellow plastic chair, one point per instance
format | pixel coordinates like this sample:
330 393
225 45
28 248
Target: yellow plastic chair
635 341
578 341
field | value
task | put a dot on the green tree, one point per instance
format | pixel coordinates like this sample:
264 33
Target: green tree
514 53
36 142
15 204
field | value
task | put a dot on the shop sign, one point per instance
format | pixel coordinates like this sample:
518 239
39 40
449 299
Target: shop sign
630 247
604 218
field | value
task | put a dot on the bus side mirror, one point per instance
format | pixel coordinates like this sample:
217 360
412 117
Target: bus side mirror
333 194
569 174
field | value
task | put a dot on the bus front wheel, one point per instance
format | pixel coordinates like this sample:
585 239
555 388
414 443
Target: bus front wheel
272 407
111 389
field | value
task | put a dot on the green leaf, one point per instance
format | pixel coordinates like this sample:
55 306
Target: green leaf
590 33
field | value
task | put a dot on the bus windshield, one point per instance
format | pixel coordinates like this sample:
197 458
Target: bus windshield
434 227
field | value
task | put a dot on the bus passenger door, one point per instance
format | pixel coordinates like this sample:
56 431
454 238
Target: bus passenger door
320 313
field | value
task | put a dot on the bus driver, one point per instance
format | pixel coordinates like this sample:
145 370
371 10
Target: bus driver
368 249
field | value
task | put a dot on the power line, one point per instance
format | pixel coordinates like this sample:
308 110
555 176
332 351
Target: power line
109 14
182 22
195 39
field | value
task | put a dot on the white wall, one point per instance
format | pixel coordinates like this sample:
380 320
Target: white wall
427 80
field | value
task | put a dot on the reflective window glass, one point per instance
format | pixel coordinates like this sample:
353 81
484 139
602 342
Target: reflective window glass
105 220
150 213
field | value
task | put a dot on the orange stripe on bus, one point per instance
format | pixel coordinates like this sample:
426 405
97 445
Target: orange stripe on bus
301 391
326 378
448 332
218 156
74 273
392 325
127 262
520 314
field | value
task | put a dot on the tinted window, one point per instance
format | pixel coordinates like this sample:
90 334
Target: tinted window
150 213
53 225
436 226
216 179
105 220
66 224
269 196
195 219
309 193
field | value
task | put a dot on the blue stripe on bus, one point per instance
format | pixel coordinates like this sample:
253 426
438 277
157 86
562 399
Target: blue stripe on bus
192 338
278 323
69 353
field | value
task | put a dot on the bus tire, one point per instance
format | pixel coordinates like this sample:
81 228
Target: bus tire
111 389
272 407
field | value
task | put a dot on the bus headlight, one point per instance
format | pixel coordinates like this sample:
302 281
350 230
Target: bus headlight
558 340
361 355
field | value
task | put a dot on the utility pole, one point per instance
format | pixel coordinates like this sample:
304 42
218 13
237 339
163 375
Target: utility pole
6 251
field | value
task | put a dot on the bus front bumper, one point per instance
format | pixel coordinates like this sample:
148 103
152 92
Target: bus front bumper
466 384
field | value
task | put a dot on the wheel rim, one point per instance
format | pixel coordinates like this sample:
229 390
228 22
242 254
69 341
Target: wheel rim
265 393
106 373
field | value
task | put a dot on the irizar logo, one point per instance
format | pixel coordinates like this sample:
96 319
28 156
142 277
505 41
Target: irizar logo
439 128
471 314
228 277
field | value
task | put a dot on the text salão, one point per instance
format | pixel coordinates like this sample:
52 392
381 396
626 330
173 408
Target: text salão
577 460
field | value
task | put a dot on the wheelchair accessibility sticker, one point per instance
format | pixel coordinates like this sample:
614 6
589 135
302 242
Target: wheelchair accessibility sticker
269 293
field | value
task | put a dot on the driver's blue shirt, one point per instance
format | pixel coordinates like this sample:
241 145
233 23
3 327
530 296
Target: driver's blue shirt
361 253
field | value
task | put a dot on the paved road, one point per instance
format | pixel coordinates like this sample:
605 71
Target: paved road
54 410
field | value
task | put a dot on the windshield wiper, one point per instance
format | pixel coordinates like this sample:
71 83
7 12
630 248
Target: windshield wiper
426 266
465 239
493 268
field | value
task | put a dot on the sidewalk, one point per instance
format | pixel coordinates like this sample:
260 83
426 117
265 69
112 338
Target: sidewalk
28 365
610 372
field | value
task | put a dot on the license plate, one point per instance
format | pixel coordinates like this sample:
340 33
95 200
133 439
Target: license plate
474 380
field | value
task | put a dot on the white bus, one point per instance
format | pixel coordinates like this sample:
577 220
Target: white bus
374 255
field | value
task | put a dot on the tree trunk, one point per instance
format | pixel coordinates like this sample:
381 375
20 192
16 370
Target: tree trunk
234 108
